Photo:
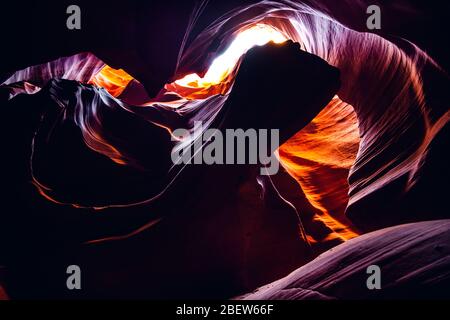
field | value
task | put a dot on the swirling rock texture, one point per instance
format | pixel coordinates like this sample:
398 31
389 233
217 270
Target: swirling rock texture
363 126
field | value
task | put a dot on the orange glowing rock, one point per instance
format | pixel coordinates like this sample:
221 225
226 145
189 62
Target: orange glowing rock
319 157
112 80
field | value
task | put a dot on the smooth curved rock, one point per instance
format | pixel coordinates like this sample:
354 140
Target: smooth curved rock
414 260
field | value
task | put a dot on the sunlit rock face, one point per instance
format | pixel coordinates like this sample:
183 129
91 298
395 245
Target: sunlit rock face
363 124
